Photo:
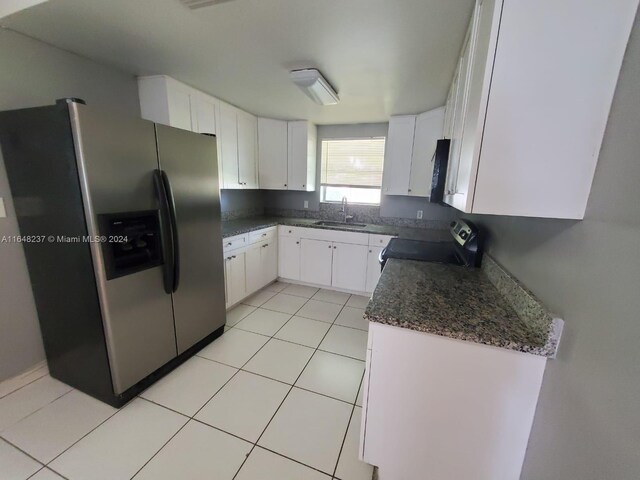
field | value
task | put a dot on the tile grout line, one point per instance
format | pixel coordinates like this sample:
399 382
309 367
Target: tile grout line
289 392
192 417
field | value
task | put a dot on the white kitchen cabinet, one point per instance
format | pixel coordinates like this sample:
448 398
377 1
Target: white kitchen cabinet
455 409
235 277
538 109
272 154
301 155
397 155
349 270
428 131
315 261
247 150
269 260
409 150
165 100
289 257
254 273
373 268
228 130
203 113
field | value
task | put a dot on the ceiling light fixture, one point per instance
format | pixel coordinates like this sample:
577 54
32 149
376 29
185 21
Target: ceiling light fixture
193 4
315 86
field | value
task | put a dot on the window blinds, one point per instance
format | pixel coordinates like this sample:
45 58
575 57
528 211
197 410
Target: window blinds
353 162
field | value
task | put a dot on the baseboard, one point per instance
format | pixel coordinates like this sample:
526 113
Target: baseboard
326 287
32 374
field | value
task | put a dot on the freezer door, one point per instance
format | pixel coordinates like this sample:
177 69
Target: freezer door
189 161
116 158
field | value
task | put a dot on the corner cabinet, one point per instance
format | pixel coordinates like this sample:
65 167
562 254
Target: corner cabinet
409 149
526 119
287 154
169 102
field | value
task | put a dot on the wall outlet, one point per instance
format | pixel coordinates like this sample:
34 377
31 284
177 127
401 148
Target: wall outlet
3 212
419 216
306 204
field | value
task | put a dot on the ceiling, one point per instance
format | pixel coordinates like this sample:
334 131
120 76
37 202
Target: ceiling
384 57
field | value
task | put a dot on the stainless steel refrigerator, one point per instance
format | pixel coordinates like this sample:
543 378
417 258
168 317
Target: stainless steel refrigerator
124 244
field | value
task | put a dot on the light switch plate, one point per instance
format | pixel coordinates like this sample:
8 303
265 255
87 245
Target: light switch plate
306 204
419 216
3 212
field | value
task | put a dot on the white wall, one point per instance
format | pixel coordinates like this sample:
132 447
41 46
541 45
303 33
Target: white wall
587 424
34 74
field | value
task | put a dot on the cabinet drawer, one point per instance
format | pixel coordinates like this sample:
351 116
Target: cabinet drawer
260 235
232 243
379 240
286 231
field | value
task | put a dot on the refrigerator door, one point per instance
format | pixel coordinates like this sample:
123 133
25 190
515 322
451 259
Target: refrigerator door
116 158
189 161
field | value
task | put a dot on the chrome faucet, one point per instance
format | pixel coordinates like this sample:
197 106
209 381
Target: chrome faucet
345 204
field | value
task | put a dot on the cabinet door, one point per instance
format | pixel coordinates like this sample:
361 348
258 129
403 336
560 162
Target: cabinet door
272 154
254 280
228 139
301 156
373 268
203 114
235 278
179 100
269 260
315 261
428 130
397 155
459 114
289 257
349 266
247 150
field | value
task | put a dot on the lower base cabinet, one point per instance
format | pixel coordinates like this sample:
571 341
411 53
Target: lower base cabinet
315 261
235 277
289 257
349 266
373 268
456 409
253 268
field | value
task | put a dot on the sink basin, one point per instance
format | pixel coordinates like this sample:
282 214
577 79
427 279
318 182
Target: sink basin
325 223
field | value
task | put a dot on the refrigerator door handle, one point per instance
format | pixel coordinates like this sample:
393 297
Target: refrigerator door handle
169 247
174 230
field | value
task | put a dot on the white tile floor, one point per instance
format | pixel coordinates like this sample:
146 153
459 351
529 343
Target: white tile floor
278 396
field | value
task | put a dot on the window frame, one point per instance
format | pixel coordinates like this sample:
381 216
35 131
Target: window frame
335 185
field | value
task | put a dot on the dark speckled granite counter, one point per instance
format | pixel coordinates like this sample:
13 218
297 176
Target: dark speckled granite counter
237 227
484 306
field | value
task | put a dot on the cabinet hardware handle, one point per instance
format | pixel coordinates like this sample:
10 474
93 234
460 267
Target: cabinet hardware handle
409 189
229 244
303 185
264 234
297 243
370 251
233 256
329 246
335 248
285 184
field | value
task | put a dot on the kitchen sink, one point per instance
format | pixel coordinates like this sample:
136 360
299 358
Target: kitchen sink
325 223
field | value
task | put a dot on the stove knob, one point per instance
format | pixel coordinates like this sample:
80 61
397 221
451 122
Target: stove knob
464 235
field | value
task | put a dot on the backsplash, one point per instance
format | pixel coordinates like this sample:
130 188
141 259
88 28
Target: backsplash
242 213
361 214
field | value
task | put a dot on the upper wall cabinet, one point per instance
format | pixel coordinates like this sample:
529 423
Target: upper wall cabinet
408 160
272 154
167 101
528 106
301 155
287 154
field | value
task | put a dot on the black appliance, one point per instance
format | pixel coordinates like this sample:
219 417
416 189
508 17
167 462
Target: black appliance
440 162
464 249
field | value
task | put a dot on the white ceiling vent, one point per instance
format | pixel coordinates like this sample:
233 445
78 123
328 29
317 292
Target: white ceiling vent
193 4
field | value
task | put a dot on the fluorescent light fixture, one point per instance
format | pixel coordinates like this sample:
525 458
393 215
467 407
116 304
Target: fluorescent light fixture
315 86
193 4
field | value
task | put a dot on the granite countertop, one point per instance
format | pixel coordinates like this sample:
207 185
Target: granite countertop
484 306
238 227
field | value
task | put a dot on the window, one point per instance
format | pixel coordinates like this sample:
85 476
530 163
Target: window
352 168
